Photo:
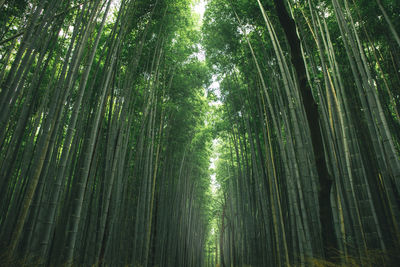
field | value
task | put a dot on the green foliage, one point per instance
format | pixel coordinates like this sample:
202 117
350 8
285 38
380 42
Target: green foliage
107 132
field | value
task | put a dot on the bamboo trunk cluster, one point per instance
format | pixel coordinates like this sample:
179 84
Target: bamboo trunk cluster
101 160
309 155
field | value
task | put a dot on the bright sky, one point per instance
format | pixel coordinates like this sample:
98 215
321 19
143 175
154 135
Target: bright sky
200 7
214 184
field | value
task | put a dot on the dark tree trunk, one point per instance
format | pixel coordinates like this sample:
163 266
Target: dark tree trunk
311 109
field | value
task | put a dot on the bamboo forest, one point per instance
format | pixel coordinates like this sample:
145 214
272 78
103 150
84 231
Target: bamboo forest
200 133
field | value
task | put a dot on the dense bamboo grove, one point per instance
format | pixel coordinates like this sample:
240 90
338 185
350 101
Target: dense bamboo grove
108 123
309 132
103 142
